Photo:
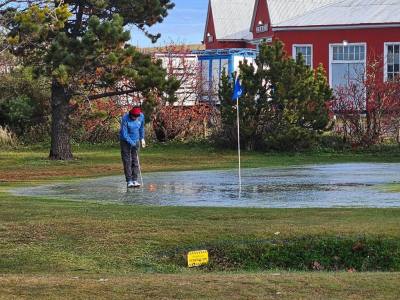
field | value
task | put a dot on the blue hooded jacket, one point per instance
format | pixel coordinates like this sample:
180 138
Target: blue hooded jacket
132 131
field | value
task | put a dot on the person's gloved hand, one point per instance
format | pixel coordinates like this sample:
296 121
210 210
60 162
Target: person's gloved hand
143 143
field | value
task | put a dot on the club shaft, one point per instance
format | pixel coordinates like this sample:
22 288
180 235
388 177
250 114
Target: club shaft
140 169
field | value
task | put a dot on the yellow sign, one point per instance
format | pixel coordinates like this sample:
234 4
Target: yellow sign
197 258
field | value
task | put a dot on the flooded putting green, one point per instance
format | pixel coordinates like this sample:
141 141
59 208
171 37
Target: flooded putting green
336 185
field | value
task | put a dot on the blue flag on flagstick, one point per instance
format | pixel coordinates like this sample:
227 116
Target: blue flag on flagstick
238 90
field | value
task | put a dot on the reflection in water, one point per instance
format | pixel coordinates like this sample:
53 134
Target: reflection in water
305 186
152 188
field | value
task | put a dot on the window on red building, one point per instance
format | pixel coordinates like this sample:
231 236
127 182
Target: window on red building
306 52
347 64
261 28
392 59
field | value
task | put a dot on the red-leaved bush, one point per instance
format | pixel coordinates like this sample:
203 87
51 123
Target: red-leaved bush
184 122
368 108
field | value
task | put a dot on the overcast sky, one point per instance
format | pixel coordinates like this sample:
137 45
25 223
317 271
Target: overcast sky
184 24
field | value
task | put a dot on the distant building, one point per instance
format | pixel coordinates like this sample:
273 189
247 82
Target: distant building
228 24
184 66
213 62
342 35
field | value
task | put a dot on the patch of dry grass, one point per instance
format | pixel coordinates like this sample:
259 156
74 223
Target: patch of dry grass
7 138
204 286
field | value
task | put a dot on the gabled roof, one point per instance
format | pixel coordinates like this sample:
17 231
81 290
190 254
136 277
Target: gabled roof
282 10
301 13
232 19
348 12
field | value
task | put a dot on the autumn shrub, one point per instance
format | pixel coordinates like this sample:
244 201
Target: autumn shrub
23 101
184 122
332 142
368 108
96 122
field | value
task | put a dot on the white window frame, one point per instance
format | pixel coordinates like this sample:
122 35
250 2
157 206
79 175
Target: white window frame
385 53
260 28
345 61
304 45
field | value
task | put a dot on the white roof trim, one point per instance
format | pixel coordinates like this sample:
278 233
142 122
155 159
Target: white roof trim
208 17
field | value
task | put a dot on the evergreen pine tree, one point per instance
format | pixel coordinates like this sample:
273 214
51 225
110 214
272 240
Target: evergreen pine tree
283 106
83 46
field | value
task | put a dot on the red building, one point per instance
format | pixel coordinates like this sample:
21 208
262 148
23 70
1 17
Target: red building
342 35
228 24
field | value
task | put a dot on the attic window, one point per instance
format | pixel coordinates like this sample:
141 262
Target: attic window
261 27
210 38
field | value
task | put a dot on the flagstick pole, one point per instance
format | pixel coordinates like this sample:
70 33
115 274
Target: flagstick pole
238 136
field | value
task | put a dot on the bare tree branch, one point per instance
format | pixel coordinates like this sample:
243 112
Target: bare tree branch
110 94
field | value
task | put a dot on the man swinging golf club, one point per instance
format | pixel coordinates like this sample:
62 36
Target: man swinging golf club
131 136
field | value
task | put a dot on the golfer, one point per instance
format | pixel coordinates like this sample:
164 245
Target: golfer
131 136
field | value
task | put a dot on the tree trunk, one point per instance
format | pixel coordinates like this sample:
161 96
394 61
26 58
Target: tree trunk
60 125
398 135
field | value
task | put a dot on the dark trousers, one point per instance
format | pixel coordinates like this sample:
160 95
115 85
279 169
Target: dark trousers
130 160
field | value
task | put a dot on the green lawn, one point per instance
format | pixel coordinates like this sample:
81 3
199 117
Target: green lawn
64 249
395 187
31 164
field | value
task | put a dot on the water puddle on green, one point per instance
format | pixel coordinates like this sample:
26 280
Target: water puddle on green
336 185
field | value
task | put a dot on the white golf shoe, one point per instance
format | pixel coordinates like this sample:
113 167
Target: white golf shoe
130 184
136 184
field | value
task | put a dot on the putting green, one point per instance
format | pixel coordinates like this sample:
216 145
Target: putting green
329 185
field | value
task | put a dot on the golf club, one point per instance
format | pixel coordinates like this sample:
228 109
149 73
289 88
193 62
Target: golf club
140 169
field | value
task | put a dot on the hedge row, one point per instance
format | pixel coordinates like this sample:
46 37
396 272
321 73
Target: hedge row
302 254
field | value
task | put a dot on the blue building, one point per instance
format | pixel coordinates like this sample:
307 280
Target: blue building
212 63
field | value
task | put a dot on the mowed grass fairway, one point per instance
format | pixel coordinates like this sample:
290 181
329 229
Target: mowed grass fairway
76 250
31 164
